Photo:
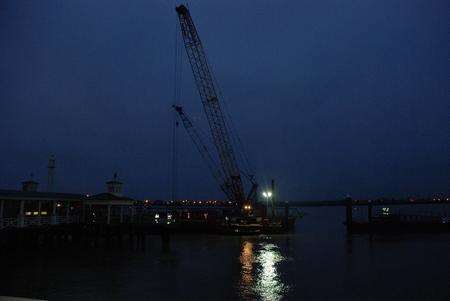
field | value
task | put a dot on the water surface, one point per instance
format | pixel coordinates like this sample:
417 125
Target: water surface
317 262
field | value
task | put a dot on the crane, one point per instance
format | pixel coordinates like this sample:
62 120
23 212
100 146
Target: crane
203 149
228 173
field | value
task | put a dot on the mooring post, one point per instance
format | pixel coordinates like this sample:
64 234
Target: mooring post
286 213
369 212
83 214
108 216
132 213
67 211
2 204
274 195
349 213
53 221
39 211
89 218
21 223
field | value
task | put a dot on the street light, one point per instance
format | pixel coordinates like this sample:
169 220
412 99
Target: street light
267 195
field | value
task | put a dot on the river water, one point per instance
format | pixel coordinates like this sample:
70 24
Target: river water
317 262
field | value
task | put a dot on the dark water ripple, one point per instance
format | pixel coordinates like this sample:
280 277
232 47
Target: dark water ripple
317 262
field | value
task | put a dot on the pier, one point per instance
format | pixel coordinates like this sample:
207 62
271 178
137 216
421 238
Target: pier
386 221
28 216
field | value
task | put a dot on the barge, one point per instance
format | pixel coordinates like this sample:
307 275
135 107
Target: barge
401 224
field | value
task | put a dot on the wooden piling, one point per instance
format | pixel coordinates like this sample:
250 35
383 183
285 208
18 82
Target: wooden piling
369 212
286 213
349 213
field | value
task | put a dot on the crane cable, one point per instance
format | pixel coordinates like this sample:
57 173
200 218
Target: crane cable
175 101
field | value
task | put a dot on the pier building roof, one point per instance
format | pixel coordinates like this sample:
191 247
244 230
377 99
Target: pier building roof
9 194
109 199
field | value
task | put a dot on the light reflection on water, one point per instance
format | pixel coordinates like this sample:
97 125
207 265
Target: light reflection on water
260 278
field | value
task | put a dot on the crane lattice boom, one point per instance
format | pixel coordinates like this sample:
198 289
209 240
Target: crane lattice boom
208 93
202 149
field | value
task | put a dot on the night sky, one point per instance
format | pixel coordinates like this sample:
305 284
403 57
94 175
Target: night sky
329 97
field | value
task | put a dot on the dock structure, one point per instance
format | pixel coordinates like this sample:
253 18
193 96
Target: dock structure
373 202
106 217
387 221
19 209
31 216
29 207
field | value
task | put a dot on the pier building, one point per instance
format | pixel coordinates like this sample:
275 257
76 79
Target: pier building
30 207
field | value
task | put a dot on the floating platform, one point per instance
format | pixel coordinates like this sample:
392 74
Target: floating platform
232 226
401 224
258 225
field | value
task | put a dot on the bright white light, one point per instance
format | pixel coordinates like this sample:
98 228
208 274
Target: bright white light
267 194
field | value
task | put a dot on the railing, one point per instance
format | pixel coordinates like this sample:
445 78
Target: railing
62 219
15 222
9 222
36 221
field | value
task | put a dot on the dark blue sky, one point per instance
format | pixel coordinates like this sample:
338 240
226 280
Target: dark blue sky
329 97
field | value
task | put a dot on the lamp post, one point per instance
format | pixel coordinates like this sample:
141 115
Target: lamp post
267 195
